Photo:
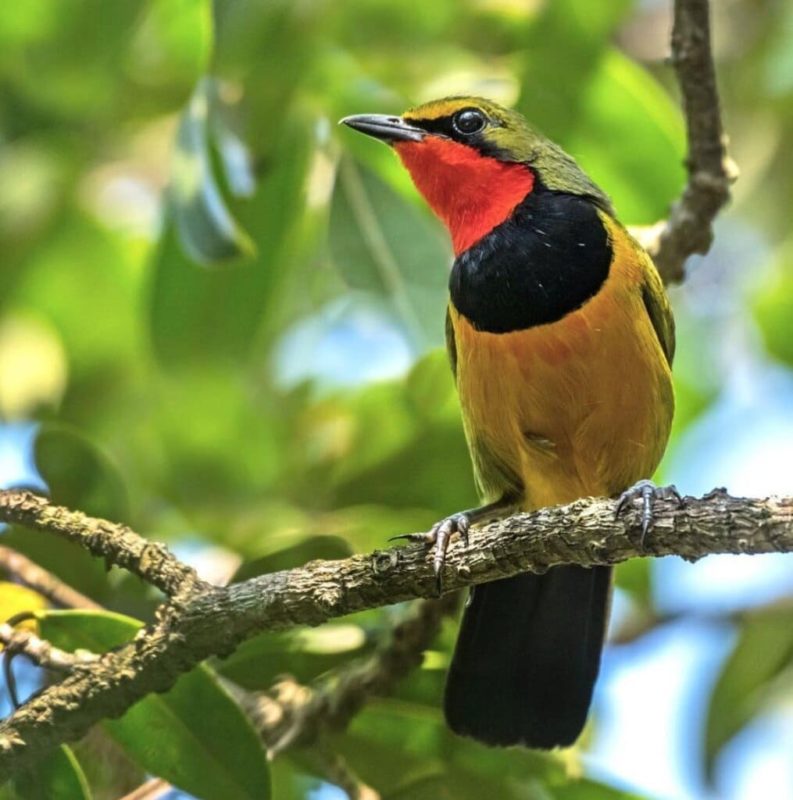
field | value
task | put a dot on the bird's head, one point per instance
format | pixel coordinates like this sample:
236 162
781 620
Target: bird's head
475 161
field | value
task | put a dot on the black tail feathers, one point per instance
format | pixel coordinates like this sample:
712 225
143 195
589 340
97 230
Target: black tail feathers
527 657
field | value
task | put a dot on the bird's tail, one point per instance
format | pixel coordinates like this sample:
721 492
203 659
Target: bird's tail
527 657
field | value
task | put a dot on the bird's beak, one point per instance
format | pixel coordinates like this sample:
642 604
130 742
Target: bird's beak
387 129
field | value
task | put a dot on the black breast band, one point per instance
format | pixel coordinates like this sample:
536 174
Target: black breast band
545 261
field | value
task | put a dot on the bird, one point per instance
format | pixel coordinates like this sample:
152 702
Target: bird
561 339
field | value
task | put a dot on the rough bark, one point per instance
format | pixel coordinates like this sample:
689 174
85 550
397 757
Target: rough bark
203 620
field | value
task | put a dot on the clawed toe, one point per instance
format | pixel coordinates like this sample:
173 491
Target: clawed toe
438 537
424 538
648 492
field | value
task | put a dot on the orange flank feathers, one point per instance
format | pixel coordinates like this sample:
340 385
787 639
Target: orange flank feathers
548 405
471 193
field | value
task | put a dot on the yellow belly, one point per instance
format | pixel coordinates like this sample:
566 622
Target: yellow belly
577 407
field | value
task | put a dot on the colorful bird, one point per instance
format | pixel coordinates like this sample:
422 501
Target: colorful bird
561 340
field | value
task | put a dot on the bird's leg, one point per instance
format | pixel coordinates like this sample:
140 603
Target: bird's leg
648 492
439 535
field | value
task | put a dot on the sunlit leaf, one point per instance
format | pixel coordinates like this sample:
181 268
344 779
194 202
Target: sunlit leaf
587 789
16 599
32 367
195 736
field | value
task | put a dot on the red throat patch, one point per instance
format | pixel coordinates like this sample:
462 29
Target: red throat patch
471 193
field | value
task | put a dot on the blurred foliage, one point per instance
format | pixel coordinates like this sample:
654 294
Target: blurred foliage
224 314
194 736
58 775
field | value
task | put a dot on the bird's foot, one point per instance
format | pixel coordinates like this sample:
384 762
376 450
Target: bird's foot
438 537
648 492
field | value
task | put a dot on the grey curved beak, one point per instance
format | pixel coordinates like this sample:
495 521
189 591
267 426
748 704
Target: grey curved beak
387 129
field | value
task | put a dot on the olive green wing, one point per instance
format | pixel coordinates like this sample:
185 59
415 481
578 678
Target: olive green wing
451 344
658 309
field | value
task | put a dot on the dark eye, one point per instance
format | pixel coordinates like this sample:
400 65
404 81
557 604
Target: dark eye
468 121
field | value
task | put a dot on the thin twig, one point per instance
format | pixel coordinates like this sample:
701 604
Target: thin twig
19 641
151 790
30 574
291 714
689 228
116 543
339 772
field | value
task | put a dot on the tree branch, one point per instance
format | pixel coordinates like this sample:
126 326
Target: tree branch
689 228
30 574
18 641
204 620
290 714
115 543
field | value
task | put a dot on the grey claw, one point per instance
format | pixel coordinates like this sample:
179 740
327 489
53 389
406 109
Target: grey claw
412 537
440 535
463 527
648 492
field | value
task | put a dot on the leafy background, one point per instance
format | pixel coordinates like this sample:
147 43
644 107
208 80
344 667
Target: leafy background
219 322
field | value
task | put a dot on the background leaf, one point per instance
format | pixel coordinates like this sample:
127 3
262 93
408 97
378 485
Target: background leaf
56 776
194 736
382 244
747 682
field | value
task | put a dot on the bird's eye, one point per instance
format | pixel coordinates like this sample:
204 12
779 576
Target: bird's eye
468 121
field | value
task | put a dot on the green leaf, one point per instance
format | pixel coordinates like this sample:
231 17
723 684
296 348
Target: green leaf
430 387
207 229
56 776
764 649
194 736
197 315
635 578
311 548
78 474
553 98
81 476
383 244
773 306
587 789
173 41
304 654
73 39
406 751
630 138
603 108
